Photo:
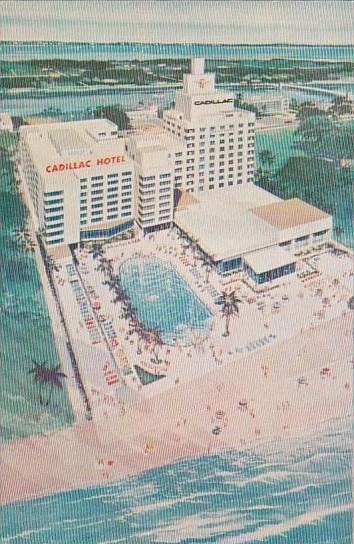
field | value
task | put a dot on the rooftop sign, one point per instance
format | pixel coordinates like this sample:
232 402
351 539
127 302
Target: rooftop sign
207 102
61 167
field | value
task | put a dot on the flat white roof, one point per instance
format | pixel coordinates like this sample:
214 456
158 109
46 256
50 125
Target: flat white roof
267 259
222 224
56 143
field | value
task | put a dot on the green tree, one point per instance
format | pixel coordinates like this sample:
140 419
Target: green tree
229 308
45 375
114 114
97 250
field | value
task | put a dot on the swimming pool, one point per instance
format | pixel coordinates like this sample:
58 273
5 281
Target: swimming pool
163 300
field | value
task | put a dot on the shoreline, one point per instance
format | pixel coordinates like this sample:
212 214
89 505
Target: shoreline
117 447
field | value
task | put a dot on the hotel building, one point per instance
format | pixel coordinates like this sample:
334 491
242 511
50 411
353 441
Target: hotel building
195 169
219 139
268 104
79 180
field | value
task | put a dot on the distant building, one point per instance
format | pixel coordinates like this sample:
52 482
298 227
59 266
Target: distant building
267 104
6 122
142 115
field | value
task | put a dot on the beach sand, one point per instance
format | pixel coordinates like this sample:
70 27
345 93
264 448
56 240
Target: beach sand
179 422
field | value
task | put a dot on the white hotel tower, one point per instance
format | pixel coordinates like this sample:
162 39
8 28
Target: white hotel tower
219 139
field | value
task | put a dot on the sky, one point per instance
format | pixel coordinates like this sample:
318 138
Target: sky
214 21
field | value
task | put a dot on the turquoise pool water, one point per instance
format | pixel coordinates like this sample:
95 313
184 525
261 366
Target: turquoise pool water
163 300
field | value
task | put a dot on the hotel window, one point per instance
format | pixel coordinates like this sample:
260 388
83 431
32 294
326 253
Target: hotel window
54 218
54 227
96 178
179 154
112 190
55 242
128 174
51 210
53 193
54 233
97 199
97 192
57 201
113 216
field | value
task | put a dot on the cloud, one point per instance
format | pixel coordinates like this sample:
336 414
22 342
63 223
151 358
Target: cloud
180 21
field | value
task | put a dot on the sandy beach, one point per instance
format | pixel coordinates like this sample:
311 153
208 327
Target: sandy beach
256 398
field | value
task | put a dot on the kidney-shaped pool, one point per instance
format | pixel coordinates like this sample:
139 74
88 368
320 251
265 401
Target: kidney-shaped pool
163 300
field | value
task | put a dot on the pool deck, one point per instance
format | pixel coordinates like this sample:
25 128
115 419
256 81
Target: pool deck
265 319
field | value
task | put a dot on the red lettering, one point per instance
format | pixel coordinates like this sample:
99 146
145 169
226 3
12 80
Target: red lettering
48 169
107 160
61 167
55 168
99 161
82 164
88 164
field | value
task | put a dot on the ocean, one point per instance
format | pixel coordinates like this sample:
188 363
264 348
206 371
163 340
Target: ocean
118 51
297 490
25 330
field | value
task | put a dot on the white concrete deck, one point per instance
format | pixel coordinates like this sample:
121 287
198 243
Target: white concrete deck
275 316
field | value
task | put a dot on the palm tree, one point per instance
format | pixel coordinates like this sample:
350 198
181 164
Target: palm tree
105 266
267 158
45 375
111 282
50 264
229 307
153 337
207 263
136 327
97 250
24 239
